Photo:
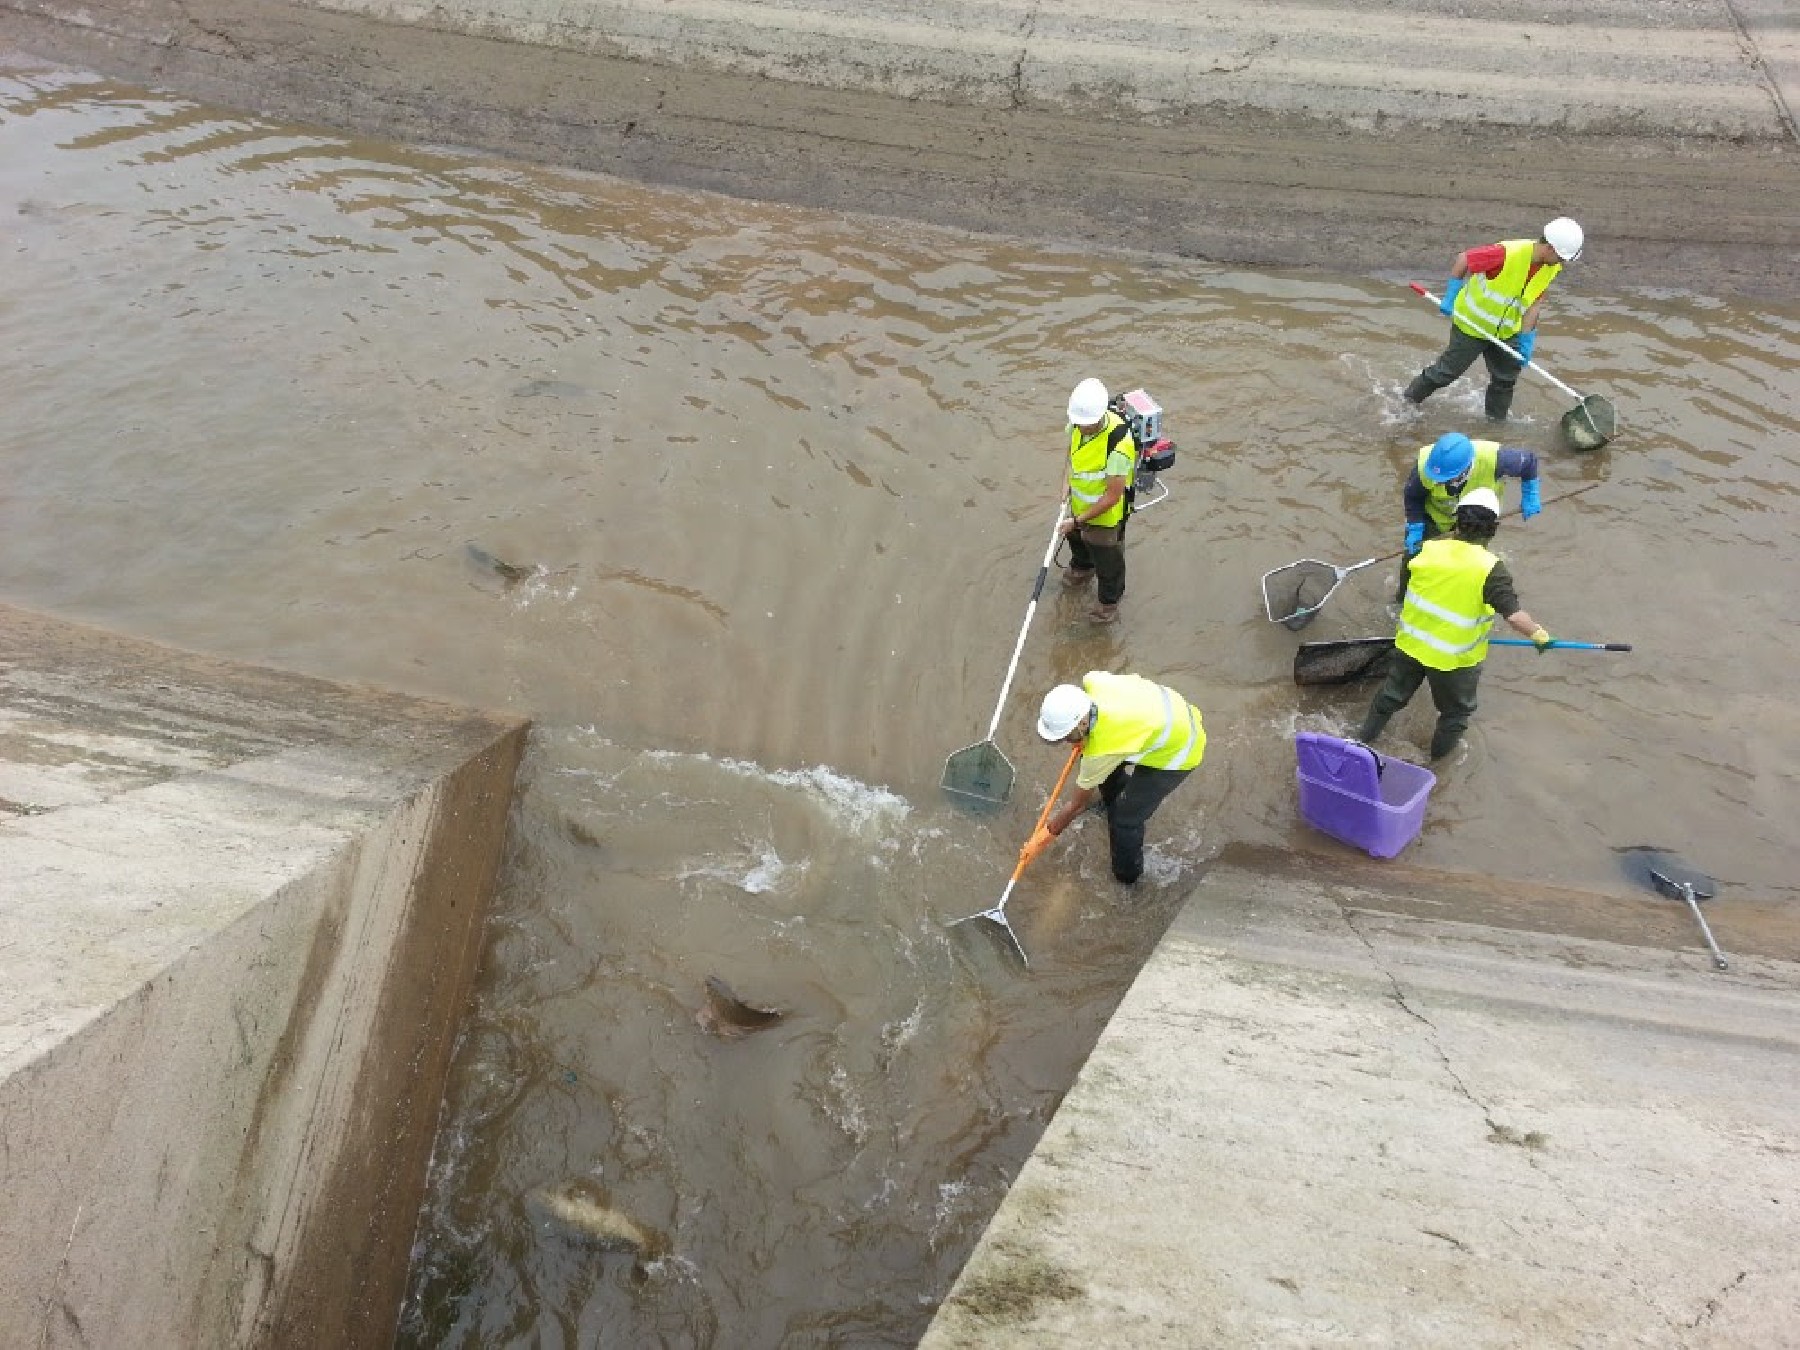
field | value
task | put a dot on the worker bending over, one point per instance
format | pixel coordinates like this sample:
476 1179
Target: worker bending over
1138 740
1451 466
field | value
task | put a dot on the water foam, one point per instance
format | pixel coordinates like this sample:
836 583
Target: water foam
848 801
762 876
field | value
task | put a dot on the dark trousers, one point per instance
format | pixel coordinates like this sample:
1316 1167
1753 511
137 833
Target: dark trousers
1503 372
1132 793
1101 550
1452 691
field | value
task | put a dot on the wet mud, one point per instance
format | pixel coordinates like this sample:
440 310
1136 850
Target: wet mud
1369 189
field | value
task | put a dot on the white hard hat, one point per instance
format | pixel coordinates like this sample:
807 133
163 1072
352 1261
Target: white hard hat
1064 707
1481 498
1087 405
1564 235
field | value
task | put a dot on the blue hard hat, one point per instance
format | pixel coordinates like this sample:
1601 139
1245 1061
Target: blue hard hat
1450 458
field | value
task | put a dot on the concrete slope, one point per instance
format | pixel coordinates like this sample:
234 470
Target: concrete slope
239 917
1675 66
1318 1119
1363 135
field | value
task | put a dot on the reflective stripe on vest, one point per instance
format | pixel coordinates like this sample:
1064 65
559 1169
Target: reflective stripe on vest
1087 469
1142 720
1444 620
1496 307
1484 472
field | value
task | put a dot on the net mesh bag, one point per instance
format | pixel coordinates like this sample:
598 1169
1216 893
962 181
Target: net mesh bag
979 771
1292 593
1590 424
1342 662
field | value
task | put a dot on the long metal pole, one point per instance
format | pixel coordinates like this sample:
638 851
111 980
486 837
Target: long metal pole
1685 889
1509 350
1019 646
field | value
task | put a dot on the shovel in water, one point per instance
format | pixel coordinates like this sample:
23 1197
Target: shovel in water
980 772
997 914
1590 424
1671 876
1693 894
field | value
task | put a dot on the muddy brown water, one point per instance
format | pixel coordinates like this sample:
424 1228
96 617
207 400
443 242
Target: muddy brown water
779 483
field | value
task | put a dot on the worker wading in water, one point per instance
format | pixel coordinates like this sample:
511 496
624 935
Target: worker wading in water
1448 468
1138 740
1102 461
1494 292
1456 588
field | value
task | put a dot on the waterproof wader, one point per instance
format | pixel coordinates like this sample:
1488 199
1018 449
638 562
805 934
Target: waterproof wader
1100 550
1457 357
1132 793
1163 740
1443 638
1452 693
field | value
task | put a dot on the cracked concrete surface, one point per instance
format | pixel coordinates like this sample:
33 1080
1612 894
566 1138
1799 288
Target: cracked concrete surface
1317 1118
1353 135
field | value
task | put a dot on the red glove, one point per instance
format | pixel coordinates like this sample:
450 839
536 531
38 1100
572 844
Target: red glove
1040 840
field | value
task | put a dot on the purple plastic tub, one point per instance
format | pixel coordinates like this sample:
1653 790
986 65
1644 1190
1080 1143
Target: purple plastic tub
1353 794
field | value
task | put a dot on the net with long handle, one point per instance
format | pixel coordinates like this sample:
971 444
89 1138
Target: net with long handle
979 773
1292 595
1342 662
1591 423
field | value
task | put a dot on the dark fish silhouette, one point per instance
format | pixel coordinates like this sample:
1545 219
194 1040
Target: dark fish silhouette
727 1015
549 389
582 1208
510 573
581 832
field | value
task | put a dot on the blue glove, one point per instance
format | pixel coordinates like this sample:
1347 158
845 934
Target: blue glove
1451 287
1525 342
1531 501
1415 536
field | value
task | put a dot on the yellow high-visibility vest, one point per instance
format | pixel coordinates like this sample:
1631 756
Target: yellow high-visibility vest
1496 308
1146 722
1484 472
1087 468
1444 621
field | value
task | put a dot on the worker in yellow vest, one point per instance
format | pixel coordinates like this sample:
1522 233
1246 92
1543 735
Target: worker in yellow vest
1456 588
1494 292
1102 463
1451 466
1138 740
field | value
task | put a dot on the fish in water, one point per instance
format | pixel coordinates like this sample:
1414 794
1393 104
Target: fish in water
582 1208
581 832
727 1015
510 573
549 389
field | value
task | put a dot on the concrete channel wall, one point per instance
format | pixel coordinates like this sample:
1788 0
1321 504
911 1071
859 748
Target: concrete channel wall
1354 1104
239 917
1357 135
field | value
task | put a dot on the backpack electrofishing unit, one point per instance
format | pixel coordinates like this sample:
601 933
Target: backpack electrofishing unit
1154 452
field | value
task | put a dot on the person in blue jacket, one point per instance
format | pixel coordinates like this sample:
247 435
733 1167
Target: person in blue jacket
1451 466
